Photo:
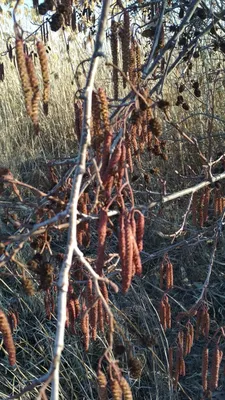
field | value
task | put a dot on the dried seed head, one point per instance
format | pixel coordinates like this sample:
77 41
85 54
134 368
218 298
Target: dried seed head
181 88
28 286
56 22
135 367
197 93
155 126
163 104
185 106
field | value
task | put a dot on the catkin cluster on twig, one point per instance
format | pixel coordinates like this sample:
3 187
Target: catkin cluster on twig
119 386
24 77
219 201
93 316
29 80
200 207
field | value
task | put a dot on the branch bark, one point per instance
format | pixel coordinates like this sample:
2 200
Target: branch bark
184 192
72 246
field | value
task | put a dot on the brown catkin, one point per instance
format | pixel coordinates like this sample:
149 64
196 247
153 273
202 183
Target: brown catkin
169 275
129 159
113 164
13 319
168 312
216 361
35 89
102 231
205 364
177 367
7 338
97 134
138 61
102 385
85 327
100 317
104 109
127 394
132 66
186 343
125 41
127 268
71 315
89 296
122 164
136 259
162 314
114 50
140 228
122 241
115 389
206 324
45 74
78 112
25 81
28 287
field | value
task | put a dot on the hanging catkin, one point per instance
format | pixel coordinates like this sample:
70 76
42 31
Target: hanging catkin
114 50
7 338
205 364
216 361
102 229
102 385
24 77
115 389
35 89
125 41
45 74
127 268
